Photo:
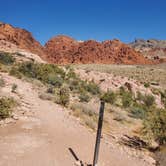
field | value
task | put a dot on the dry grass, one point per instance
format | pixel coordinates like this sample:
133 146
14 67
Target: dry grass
142 73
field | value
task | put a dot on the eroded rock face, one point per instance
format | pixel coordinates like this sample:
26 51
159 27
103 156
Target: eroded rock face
64 50
21 38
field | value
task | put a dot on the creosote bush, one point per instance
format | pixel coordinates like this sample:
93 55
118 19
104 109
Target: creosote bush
6 105
109 97
6 58
148 100
127 99
63 96
2 82
84 97
155 125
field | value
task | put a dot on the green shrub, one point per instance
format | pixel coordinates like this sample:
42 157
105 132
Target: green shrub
55 80
121 90
14 72
84 97
127 99
146 85
92 88
2 82
109 97
138 111
84 109
63 96
149 100
155 125
70 73
6 105
47 73
6 58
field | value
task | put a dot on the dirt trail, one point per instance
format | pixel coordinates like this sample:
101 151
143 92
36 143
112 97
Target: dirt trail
44 135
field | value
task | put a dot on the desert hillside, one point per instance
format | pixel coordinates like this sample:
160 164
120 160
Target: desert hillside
46 110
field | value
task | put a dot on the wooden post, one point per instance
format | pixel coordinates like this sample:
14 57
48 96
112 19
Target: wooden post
98 136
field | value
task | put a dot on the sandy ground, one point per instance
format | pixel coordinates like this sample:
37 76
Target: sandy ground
44 134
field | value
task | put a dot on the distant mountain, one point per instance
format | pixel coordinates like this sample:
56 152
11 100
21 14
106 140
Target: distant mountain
65 50
152 49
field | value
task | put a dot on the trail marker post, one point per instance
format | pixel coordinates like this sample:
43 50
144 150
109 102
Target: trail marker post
98 136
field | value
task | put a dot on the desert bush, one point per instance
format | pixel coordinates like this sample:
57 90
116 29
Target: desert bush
148 100
121 90
138 111
92 88
109 97
63 96
55 80
6 105
90 123
146 84
6 58
155 125
84 97
127 99
2 82
70 73
14 72
85 109
47 73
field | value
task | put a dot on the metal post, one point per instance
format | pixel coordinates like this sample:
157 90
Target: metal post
98 136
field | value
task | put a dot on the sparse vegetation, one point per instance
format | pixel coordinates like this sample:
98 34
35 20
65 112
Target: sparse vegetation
109 97
86 113
63 96
148 100
138 111
6 106
155 125
84 97
2 82
146 85
6 58
127 99
137 72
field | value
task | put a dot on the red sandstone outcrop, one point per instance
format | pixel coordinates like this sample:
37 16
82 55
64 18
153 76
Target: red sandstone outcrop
21 38
65 50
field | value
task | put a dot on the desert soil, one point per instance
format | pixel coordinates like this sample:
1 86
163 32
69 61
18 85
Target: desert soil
46 131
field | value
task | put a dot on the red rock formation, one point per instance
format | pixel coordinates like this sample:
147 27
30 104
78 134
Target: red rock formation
21 38
65 50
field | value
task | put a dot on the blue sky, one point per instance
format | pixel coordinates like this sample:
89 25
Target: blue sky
88 19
